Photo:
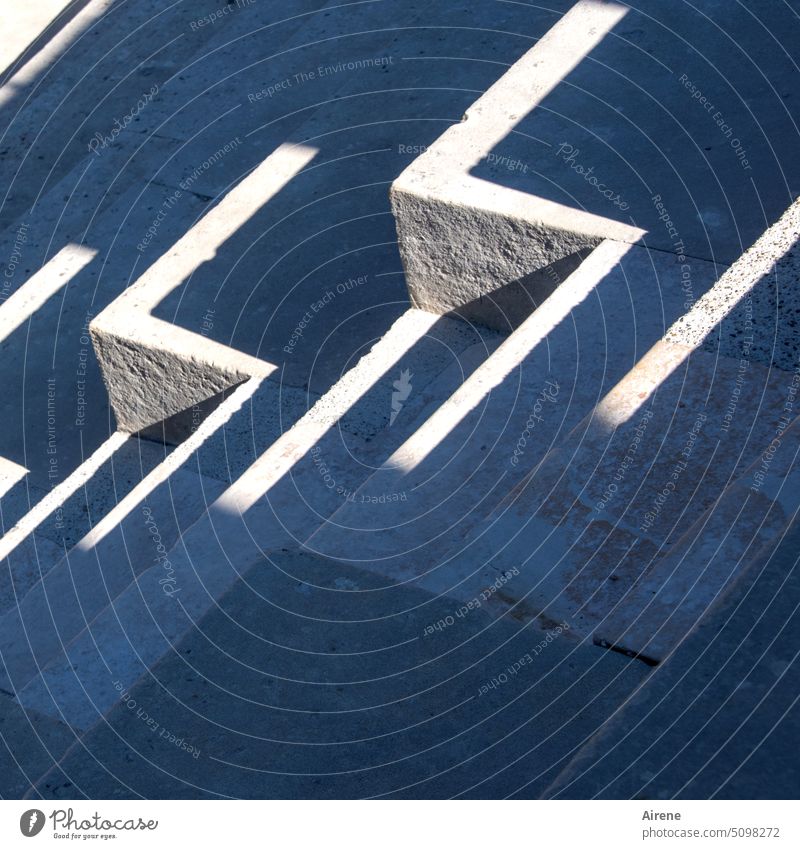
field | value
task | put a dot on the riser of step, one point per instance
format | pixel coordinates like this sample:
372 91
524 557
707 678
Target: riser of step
549 161
396 715
462 462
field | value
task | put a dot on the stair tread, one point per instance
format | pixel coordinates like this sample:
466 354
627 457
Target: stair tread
269 497
458 466
708 724
241 694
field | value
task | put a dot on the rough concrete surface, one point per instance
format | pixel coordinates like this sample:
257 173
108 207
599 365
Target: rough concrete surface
400 399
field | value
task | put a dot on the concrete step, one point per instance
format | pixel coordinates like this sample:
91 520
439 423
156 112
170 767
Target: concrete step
309 180
727 544
712 721
316 465
310 681
549 161
728 417
129 533
596 526
284 493
102 169
466 457
96 79
40 527
591 529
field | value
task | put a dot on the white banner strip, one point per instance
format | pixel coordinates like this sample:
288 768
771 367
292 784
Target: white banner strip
403 824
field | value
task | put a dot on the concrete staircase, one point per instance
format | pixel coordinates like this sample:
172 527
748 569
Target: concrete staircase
303 538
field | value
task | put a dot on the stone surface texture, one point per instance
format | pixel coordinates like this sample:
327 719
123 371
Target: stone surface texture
400 400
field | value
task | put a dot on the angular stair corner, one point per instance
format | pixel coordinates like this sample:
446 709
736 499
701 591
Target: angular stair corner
464 239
